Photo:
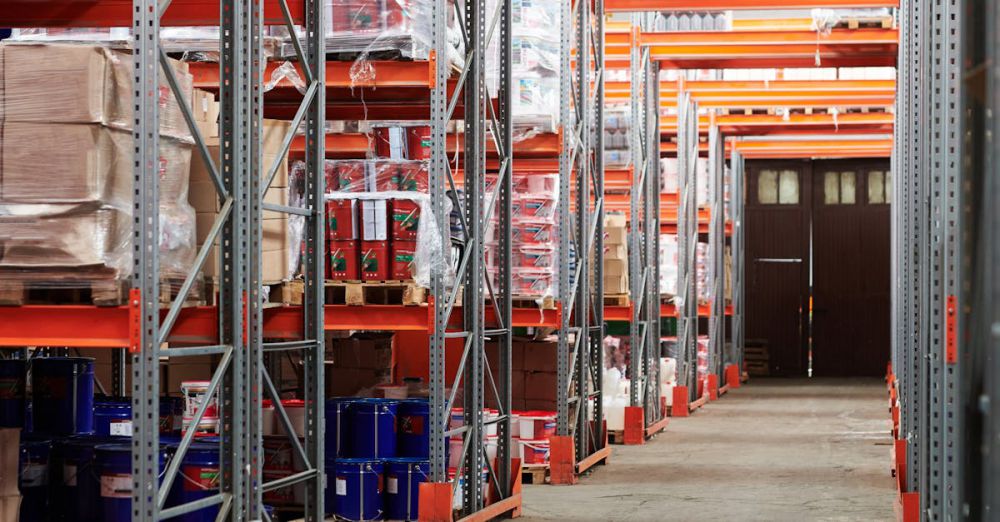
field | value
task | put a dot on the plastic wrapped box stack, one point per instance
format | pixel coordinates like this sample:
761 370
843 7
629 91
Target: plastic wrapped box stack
534 239
66 172
617 134
375 230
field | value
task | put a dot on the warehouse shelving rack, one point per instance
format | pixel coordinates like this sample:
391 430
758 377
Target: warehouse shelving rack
581 438
236 329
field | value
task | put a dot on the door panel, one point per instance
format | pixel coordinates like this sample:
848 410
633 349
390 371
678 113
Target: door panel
777 204
850 326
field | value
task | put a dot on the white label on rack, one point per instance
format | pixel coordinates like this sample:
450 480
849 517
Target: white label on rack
121 428
392 485
341 487
116 486
69 475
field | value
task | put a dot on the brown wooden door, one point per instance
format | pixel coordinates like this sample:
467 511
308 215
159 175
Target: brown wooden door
850 325
777 235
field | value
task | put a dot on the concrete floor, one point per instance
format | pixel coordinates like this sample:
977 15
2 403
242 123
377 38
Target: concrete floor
773 450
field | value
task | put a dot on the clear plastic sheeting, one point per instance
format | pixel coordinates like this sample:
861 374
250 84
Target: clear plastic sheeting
393 28
172 39
66 167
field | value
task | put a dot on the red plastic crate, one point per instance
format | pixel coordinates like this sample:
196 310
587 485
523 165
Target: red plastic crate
341 219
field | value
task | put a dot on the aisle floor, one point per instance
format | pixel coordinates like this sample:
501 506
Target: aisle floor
772 450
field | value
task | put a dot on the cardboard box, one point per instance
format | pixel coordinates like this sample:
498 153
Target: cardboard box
540 385
193 368
540 356
371 354
9 458
81 164
539 405
350 382
615 267
615 236
616 285
614 221
10 507
374 220
274 265
206 113
615 251
73 83
72 236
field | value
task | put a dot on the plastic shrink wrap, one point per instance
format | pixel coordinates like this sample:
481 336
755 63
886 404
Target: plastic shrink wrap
66 170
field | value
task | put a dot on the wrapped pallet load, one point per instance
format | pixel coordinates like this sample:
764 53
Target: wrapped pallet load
66 170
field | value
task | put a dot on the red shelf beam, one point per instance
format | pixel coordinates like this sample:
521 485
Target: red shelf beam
118 13
624 6
762 49
796 123
107 327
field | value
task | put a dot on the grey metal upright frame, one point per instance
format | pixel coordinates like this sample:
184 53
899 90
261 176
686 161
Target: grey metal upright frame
580 365
687 243
737 202
644 234
240 181
986 309
310 117
475 209
233 228
716 252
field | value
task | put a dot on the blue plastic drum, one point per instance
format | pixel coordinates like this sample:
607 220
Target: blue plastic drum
63 395
402 486
413 427
329 492
198 478
357 485
373 427
337 438
79 487
114 465
33 478
113 418
12 379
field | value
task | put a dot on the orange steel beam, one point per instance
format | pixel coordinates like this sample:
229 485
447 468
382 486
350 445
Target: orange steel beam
118 13
79 326
780 93
612 6
795 123
767 49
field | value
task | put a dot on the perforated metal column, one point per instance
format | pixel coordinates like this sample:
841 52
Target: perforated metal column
687 243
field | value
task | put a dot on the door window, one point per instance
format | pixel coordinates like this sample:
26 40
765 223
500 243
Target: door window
840 188
879 187
778 188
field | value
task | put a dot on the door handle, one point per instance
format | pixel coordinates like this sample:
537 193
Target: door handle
778 260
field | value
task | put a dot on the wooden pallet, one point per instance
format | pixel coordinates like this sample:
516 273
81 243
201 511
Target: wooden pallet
535 473
616 436
527 301
357 293
616 300
83 288
857 22
281 293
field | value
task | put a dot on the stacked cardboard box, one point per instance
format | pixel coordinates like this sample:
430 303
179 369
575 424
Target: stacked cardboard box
533 374
203 196
66 120
10 496
357 364
615 255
